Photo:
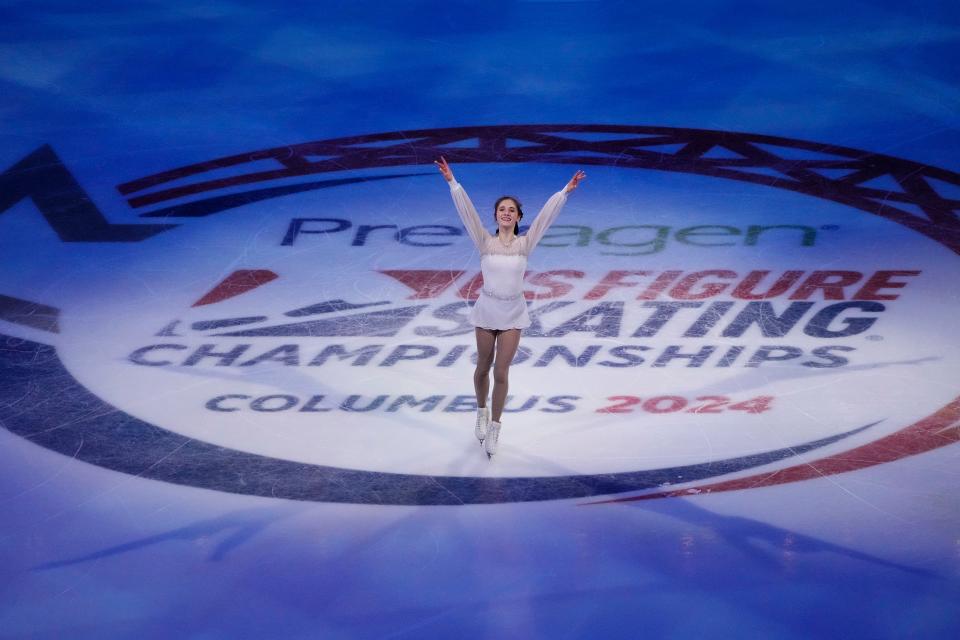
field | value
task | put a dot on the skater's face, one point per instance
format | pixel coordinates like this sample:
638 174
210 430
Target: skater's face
507 212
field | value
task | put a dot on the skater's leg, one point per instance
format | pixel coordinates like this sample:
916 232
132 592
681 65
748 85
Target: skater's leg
486 345
507 343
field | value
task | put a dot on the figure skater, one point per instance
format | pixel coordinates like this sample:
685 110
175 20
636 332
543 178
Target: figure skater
501 310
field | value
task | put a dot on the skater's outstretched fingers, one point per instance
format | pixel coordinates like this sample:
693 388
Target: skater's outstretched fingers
444 169
575 180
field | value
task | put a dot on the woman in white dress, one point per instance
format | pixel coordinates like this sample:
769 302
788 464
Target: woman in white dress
501 310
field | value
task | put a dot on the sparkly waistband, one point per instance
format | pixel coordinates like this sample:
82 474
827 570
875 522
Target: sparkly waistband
495 296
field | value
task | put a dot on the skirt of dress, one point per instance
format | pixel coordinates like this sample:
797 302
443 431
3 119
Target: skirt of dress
499 314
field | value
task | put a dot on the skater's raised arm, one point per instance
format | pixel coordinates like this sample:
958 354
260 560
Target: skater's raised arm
550 211
468 213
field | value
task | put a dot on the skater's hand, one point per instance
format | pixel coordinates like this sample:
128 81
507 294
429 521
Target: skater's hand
444 169
574 181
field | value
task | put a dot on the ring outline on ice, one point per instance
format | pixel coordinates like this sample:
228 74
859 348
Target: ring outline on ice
91 433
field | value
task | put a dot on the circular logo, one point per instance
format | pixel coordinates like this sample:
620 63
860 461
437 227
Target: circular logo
278 332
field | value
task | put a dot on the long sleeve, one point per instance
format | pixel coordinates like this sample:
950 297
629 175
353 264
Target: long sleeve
545 218
468 215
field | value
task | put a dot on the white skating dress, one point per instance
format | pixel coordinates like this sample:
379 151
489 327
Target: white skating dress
501 304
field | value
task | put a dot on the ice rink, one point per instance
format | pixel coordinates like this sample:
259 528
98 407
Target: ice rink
236 365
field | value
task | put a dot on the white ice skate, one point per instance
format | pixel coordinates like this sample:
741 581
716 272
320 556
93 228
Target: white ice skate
483 419
493 436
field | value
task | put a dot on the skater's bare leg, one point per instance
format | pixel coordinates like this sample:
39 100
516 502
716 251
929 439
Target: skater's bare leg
486 346
507 343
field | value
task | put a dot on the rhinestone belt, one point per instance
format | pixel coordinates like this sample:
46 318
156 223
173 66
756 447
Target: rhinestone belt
487 293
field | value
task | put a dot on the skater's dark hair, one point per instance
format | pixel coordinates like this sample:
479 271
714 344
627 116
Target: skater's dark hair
496 205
